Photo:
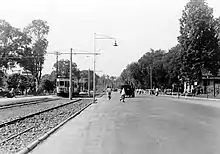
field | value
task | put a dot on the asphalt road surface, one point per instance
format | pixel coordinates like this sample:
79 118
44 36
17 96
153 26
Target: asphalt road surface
142 125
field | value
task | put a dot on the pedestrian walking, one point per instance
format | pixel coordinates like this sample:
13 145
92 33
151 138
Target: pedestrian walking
12 93
157 92
122 98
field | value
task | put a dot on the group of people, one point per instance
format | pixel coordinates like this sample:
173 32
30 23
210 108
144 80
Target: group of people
122 94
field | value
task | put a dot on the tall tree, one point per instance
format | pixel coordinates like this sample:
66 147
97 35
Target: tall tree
18 81
172 64
12 42
126 77
2 79
47 83
198 40
152 60
64 68
136 75
34 55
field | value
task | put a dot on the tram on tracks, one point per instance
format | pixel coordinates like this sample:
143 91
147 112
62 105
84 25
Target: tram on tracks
62 87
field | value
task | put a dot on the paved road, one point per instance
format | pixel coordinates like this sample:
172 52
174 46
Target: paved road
142 125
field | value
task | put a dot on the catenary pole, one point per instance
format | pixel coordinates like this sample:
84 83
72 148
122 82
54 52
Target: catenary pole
89 82
94 88
70 80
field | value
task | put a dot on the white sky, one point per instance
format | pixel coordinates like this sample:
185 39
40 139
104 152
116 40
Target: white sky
138 25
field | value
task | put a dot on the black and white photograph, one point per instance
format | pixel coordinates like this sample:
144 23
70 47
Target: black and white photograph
110 77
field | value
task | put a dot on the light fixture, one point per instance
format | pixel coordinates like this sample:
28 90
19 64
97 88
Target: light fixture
115 44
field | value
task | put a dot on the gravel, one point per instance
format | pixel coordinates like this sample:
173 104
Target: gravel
19 100
42 123
9 114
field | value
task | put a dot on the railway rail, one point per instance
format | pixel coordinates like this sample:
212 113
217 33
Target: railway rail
33 114
17 133
29 102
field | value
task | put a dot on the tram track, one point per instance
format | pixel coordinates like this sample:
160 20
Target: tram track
17 133
11 113
24 103
33 114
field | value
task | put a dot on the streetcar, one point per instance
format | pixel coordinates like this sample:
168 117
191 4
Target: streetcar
62 87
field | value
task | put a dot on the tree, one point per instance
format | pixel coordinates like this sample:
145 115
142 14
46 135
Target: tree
106 80
113 81
152 61
47 83
198 40
37 31
64 69
84 78
53 76
125 77
13 81
172 64
18 81
135 74
23 84
2 79
12 43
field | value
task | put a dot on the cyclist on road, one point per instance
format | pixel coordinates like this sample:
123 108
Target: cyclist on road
109 92
122 98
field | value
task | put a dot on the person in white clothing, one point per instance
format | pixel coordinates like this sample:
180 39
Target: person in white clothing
122 95
109 91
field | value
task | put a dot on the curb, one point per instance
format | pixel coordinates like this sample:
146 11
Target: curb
191 98
32 145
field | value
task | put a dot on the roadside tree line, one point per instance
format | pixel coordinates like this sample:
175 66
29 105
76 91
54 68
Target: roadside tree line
27 48
25 84
197 52
24 47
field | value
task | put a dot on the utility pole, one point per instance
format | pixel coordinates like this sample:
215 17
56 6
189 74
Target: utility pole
94 90
70 81
57 65
214 85
89 82
151 78
94 87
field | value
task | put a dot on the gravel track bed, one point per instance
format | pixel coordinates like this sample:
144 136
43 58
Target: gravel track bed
17 112
23 103
19 100
41 124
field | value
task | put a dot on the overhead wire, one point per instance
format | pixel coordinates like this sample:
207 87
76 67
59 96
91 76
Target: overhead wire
55 52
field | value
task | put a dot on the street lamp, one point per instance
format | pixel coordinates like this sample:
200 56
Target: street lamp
115 44
96 37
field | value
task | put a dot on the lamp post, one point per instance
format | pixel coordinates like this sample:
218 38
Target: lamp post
98 36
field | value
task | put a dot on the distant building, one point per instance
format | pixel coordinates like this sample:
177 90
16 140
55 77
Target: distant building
209 82
207 85
18 70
